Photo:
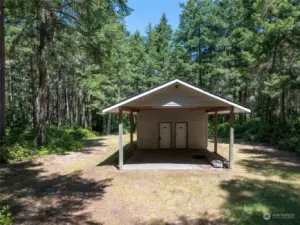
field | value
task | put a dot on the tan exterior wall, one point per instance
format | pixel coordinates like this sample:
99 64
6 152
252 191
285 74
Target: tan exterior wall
148 122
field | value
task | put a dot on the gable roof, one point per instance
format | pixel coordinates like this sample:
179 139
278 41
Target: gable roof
178 81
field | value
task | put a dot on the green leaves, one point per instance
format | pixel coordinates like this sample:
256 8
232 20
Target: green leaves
248 51
275 84
6 217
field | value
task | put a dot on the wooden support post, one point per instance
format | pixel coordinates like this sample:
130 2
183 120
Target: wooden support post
120 139
231 138
216 133
131 131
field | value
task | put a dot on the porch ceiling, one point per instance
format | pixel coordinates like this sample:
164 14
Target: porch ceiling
208 109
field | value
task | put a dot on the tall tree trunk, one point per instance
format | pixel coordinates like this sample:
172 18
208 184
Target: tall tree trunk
83 112
245 96
73 108
282 94
78 111
2 72
48 102
10 96
104 130
241 102
59 105
267 109
57 102
200 81
89 113
282 106
10 99
42 85
108 123
67 103
33 92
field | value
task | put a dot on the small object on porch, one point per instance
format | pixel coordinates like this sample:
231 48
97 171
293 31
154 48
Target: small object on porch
226 164
217 163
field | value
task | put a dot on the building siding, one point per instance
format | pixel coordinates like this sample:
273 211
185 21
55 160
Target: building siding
171 96
148 126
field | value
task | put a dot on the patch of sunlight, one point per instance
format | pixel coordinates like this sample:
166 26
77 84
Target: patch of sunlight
251 213
245 193
255 208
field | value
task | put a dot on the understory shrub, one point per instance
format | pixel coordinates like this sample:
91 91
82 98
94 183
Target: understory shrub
6 217
62 140
126 130
223 130
19 146
18 153
80 133
284 135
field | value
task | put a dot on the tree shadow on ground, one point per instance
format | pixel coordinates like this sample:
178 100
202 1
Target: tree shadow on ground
52 199
206 219
249 199
95 142
113 159
91 146
263 152
226 141
271 162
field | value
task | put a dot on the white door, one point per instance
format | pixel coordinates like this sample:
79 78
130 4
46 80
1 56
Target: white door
164 135
181 135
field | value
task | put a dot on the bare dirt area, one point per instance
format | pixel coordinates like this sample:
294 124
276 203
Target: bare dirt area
67 162
86 188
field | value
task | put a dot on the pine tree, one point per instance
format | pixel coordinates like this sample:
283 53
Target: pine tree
152 62
137 60
162 43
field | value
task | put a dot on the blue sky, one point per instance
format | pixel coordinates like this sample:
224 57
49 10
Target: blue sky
150 11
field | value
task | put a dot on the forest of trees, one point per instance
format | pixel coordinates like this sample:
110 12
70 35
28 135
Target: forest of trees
67 60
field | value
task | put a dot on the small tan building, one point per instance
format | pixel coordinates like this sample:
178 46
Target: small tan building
174 117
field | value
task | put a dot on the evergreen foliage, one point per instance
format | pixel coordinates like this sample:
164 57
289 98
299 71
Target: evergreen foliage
67 60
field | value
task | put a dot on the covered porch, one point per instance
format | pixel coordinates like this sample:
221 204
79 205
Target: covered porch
177 159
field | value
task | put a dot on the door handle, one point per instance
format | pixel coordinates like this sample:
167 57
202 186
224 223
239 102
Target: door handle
159 138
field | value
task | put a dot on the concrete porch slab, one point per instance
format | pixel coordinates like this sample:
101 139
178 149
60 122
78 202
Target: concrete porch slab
167 166
171 159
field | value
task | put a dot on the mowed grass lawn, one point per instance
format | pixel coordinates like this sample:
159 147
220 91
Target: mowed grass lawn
86 188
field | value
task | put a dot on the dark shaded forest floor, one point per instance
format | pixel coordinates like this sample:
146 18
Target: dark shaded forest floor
86 188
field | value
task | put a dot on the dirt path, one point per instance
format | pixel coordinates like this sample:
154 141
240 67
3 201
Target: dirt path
86 188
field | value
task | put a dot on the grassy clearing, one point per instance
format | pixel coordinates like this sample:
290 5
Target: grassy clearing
89 188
